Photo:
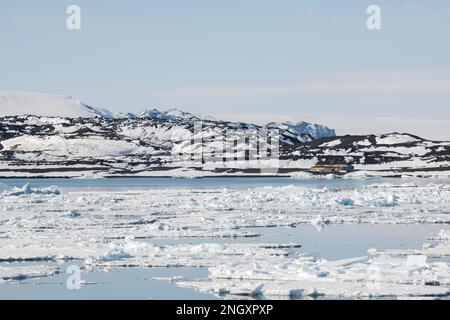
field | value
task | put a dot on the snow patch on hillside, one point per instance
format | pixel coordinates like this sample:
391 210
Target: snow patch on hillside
396 138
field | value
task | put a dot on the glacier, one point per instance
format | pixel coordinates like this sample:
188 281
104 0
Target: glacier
48 105
316 131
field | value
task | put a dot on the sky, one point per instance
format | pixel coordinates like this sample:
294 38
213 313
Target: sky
256 61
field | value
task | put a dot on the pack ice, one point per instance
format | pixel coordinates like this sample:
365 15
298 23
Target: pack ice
122 228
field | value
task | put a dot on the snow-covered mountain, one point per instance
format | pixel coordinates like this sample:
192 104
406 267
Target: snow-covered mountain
172 114
48 136
56 135
153 114
397 153
98 142
315 130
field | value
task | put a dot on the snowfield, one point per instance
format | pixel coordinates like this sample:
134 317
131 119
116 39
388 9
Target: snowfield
121 229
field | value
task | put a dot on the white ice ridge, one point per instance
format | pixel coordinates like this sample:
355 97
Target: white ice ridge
119 228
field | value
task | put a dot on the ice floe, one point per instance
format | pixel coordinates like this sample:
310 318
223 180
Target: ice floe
9 274
378 275
40 224
27 190
121 228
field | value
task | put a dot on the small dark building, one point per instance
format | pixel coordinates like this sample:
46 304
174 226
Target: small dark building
331 168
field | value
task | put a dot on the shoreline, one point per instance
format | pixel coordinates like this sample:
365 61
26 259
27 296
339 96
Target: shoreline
312 177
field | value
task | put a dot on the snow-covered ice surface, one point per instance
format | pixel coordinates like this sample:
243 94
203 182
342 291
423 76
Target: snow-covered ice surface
145 227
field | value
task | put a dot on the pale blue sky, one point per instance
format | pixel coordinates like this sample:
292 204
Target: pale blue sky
240 60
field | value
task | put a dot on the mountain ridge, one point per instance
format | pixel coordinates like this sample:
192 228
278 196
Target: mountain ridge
50 105
155 143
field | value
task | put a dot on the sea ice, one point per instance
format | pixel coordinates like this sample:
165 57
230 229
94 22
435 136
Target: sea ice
8 274
117 229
